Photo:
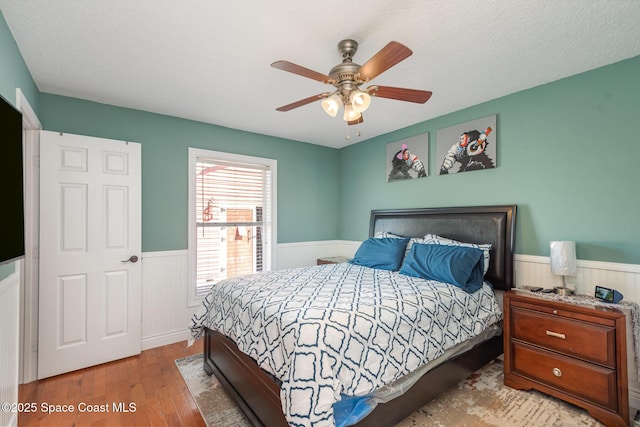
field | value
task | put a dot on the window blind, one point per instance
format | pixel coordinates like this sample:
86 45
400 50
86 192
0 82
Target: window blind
232 220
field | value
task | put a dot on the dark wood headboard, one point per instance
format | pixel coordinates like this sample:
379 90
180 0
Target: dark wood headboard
474 224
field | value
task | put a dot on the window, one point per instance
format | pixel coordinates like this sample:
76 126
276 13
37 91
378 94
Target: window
231 217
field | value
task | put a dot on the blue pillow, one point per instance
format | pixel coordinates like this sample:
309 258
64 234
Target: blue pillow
458 265
384 254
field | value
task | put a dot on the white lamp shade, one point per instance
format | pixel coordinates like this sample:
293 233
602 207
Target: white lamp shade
360 100
350 114
332 104
563 258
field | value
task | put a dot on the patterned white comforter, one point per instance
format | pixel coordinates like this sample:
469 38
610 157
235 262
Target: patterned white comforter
341 329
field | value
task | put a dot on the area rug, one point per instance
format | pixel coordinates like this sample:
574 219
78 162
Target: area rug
480 400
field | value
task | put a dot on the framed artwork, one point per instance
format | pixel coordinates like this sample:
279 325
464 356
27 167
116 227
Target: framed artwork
467 147
408 158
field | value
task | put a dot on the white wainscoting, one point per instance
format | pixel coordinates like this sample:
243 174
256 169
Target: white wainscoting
291 255
536 271
9 327
165 314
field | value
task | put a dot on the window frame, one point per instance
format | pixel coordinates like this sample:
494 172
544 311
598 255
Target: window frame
197 153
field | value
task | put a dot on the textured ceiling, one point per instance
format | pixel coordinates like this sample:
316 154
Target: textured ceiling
210 61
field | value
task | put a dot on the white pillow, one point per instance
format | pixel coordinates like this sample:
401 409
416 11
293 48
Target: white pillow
386 234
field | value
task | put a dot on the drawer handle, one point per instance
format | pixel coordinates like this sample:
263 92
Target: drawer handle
557 372
557 335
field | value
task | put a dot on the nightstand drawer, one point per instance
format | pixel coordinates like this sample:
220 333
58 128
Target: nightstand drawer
584 380
585 340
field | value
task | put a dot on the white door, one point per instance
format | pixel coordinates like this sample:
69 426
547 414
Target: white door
90 272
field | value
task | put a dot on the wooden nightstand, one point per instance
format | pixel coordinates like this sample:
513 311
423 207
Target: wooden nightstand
576 353
331 260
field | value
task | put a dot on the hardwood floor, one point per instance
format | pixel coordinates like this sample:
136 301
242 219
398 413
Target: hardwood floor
144 390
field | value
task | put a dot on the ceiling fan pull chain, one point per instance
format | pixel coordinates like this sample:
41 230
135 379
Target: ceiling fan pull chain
348 137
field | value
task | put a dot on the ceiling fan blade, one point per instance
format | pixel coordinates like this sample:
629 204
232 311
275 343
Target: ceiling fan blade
301 71
386 58
356 121
302 102
401 94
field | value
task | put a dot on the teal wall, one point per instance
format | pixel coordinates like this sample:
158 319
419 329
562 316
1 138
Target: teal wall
308 175
13 70
567 153
7 270
13 73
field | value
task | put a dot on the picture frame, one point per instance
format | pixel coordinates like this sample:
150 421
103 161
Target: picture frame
408 158
468 146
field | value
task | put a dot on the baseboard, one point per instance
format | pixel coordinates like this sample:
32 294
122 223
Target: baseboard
167 338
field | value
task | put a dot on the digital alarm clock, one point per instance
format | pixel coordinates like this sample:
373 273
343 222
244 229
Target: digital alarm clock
608 295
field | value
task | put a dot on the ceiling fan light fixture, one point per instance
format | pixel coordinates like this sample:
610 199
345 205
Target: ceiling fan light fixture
360 100
350 114
347 77
331 104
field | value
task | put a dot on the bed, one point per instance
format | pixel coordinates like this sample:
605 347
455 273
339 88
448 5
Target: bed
258 392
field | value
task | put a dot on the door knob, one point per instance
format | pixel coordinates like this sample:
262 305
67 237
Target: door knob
132 258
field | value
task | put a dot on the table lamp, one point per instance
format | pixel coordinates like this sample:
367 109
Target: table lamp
563 263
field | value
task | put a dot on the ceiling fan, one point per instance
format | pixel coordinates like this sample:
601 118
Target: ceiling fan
347 77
